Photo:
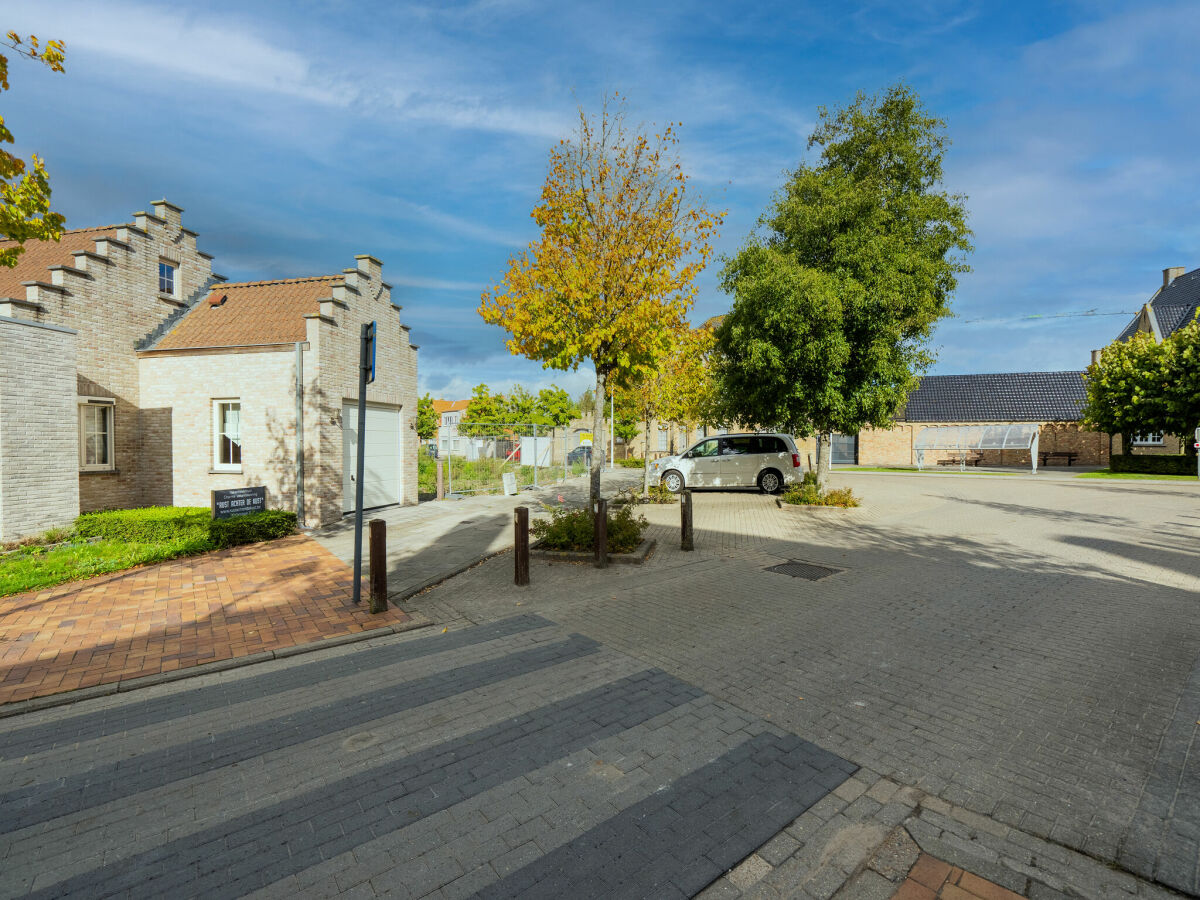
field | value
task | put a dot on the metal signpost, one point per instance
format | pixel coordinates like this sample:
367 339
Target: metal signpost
366 375
1196 447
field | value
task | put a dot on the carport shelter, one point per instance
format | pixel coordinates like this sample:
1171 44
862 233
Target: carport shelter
1048 406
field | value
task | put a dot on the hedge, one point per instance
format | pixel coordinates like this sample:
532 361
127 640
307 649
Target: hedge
261 526
192 524
1153 464
153 525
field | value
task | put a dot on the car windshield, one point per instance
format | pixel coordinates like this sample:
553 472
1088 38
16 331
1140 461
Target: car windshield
705 448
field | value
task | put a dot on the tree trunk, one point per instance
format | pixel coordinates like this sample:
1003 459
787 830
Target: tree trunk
824 457
597 438
646 461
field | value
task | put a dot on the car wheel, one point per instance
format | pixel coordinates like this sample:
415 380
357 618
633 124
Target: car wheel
770 481
673 481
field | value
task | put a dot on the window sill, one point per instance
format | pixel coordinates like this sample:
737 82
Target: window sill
100 471
170 298
237 471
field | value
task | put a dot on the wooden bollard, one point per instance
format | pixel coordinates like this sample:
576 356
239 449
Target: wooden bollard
378 553
521 545
685 524
441 482
601 533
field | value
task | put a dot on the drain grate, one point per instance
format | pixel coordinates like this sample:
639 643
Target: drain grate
798 569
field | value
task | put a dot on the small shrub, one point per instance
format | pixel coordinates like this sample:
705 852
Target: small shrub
810 477
843 497
571 529
260 526
631 463
659 494
810 495
155 524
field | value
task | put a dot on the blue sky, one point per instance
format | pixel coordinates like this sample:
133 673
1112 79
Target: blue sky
298 134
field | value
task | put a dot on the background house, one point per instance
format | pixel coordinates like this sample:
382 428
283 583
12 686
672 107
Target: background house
132 375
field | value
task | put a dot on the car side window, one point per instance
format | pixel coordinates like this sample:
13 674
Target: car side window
708 448
737 446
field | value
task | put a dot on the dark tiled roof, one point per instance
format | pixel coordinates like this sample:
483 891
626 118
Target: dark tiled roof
1002 397
1174 305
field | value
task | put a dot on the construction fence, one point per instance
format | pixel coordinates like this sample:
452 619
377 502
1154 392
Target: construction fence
490 459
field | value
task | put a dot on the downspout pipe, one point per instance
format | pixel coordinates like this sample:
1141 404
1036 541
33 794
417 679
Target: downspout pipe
300 433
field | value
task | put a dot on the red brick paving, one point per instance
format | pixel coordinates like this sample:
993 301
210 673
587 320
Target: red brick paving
177 614
932 879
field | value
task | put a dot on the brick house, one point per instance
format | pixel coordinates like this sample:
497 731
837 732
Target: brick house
1051 400
450 413
139 377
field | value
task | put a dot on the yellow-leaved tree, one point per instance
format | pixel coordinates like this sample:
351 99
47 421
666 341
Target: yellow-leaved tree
612 275
25 191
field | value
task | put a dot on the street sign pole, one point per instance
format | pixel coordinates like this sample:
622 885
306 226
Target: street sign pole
366 374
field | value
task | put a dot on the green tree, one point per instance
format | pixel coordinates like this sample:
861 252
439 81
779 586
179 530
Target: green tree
625 414
623 237
520 407
427 419
484 412
1140 386
555 408
1182 363
834 305
587 402
25 190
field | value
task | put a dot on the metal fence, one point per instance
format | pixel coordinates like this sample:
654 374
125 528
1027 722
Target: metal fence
493 459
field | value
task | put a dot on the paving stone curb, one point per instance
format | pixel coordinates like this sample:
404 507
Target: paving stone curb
642 553
861 841
66 698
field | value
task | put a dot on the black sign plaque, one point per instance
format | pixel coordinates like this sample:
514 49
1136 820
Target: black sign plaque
238 502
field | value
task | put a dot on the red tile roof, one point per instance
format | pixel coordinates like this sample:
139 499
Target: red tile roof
254 313
443 406
31 265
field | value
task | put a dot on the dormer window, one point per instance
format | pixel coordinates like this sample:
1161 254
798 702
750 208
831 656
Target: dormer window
166 279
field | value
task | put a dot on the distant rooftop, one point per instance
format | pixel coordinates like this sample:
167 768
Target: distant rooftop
1000 397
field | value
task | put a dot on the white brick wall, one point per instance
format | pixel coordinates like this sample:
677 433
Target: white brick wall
39 444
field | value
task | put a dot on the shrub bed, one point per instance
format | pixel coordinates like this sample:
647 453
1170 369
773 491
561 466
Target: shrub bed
808 494
1153 464
262 526
571 529
631 463
152 525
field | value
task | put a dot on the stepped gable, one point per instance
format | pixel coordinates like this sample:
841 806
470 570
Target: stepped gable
32 265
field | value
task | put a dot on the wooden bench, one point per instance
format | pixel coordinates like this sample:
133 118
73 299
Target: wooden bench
1068 455
972 459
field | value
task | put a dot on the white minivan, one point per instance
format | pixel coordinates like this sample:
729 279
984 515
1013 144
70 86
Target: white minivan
768 461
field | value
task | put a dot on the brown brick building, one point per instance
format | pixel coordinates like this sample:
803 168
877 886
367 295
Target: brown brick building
133 375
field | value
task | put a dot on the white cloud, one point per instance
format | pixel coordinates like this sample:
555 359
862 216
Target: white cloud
162 40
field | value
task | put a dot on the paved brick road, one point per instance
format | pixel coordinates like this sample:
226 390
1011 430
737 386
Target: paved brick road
1027 649
1002 669
176 614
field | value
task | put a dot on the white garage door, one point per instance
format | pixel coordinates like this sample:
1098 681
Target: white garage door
381 480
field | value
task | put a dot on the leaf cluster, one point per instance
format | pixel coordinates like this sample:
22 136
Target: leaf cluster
552 407
622 239
1139 385
836 297
25 189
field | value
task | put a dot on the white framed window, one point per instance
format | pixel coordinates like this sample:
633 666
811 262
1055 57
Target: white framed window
166 278
662 439
96 436
227 435
1148 439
